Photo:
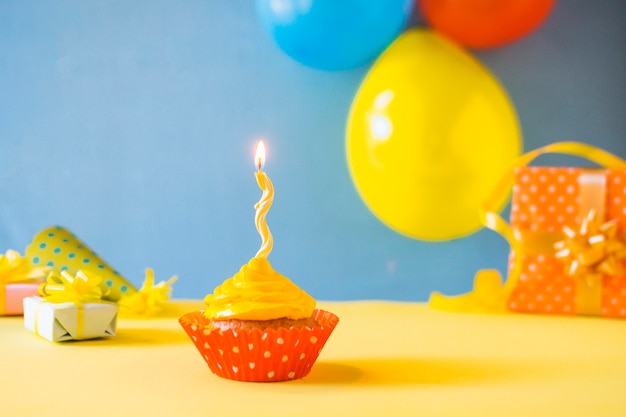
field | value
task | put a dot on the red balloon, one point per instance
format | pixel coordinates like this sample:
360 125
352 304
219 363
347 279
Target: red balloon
484 24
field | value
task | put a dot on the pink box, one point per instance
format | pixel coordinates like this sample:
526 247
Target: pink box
15 294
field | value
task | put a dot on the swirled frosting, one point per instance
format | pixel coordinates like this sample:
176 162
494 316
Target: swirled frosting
257 292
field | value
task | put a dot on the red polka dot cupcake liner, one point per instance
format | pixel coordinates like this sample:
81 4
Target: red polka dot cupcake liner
256 355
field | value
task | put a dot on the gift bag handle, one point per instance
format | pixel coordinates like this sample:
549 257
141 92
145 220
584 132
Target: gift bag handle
489 293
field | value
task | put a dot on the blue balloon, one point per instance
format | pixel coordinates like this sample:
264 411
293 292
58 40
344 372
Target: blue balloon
334 34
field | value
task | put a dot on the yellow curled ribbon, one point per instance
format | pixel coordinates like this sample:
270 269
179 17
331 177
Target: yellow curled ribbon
150 298
83 287
490 293
16 269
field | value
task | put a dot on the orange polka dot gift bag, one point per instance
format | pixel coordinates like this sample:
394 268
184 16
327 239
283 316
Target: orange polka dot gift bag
567 233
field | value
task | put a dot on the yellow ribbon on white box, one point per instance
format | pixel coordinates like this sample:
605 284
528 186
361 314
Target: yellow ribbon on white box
491 294
78 289
71 308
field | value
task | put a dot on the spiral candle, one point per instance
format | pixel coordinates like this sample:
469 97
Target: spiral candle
264 204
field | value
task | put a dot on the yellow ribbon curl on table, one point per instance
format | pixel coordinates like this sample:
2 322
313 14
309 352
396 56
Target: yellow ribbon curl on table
490 293
150 298
83 287
16 269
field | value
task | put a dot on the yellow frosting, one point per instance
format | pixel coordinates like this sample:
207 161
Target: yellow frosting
257 292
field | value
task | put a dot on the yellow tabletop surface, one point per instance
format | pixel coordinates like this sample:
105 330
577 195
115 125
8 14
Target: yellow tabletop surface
384 359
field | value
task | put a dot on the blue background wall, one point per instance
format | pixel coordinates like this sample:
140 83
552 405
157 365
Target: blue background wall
133 124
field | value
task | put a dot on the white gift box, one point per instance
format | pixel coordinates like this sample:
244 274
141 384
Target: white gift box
59 322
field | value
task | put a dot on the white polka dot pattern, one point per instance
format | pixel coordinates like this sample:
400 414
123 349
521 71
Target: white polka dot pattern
270 355
545 200
544 205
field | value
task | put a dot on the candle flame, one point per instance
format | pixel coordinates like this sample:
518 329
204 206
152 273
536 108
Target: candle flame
260 155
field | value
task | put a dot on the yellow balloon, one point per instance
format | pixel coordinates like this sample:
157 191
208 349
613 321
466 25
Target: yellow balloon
430 132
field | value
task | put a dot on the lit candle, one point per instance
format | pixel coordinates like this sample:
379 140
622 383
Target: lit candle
264 204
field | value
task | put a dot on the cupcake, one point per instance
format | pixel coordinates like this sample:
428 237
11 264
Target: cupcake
259 326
